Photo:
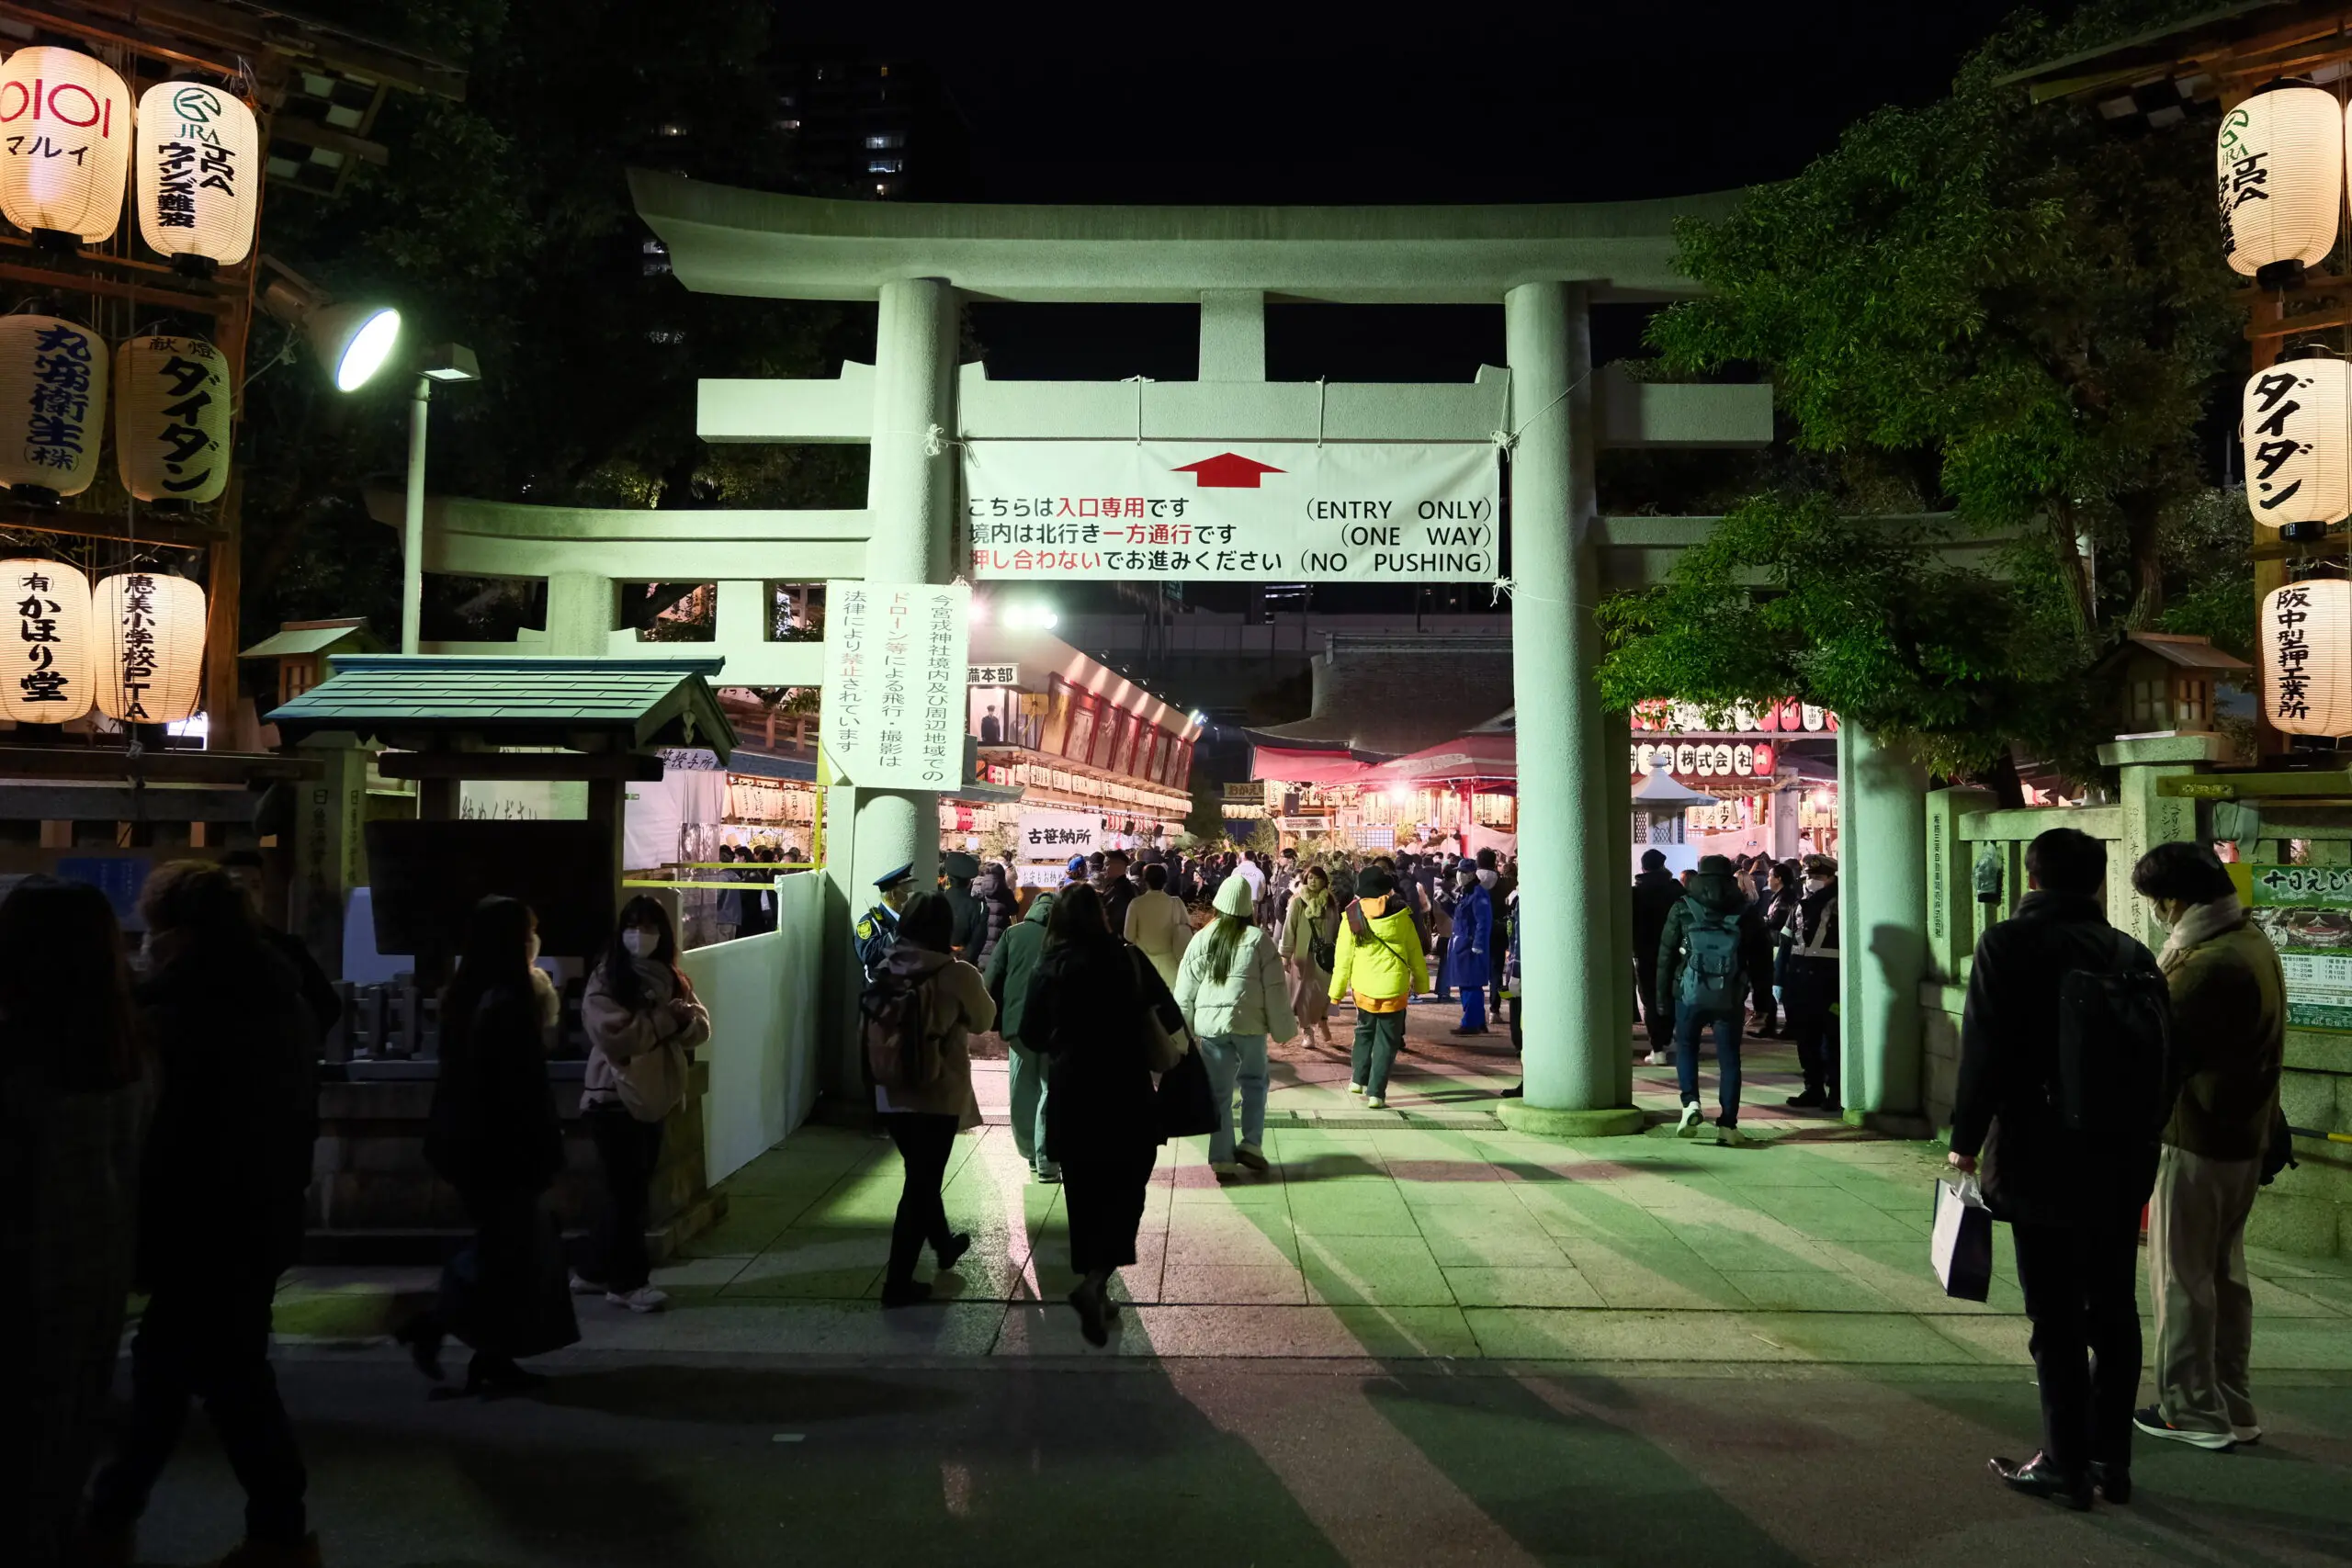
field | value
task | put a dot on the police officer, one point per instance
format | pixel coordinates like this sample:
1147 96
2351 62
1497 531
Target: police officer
878 929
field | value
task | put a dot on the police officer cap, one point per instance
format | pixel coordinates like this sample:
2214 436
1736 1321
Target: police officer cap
891 879
958 863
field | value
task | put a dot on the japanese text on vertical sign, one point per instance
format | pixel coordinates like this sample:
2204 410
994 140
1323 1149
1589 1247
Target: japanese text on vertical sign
2290 608
894 691
37 616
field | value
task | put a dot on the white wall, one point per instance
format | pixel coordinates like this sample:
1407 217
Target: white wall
762 995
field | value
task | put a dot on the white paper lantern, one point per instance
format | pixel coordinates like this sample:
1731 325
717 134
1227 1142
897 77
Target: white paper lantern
150 647
199 174
2296 427
2279 180
2306 636
53 404
65 135
171 419
46 679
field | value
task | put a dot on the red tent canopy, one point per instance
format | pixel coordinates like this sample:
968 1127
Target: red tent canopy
1483 758
1307 767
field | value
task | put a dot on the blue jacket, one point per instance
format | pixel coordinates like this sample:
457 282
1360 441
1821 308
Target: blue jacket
1467 960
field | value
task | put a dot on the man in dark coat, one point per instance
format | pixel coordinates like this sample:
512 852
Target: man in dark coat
993 888
1655 893
2073 1201
969 918
1117 888
1809 982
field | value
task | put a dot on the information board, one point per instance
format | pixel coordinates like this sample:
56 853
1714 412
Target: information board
894 662
1257 512
2306 910
1057 835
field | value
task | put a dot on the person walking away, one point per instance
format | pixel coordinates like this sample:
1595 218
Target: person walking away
73 1095
878 929
1704 961
2062 1095
1378 961
1086 1010
493 1135
641 1018
1310 933
1784 896
1809 984
1655 893
917 1018
1232 990
221 1183
1465 961
1010 969
1158 924
969 931
1117 888
993 887
245 868
2229 1034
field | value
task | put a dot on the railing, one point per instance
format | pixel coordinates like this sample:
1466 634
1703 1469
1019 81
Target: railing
401 1022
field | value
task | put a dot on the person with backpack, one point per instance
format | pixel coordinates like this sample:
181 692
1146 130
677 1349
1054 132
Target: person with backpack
1230 987
1809 984
2229 1036
917 1015
1310 945
1010 968
1705 958
2062 1095
1378 959
641 1018
1465 958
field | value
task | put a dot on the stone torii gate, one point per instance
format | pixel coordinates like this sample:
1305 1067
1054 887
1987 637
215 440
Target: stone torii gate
1545 264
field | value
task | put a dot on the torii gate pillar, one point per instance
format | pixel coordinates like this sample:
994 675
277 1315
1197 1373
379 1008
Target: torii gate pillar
1573 898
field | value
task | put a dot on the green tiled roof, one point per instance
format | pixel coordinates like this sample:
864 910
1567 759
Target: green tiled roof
638 701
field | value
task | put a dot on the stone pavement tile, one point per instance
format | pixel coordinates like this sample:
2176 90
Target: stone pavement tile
1764 1248
1236 1284
1441 1183
802 1329
698 1276
2284 1266
1996 1341
1545 1334
1522 1287
1652 1276
1331 1168
1582 1212
1828 1215
1200 1234
2305 1297
1787 1290
1244 1192
2300 1345
816 1261
1049 1278
1491 1243
1372 1211
1282 1332
1371 1270
752 1223
1897 1339
982 1274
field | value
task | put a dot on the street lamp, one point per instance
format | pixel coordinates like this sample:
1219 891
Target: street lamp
450 362
352 340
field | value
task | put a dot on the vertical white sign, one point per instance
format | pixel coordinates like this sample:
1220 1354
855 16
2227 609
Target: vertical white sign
895 657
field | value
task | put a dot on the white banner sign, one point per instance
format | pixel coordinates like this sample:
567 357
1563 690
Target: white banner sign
1057 835
894 690
1265 511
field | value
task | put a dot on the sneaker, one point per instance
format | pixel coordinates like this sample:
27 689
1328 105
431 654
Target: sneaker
2245 1435
1048 1176
1355 1089
645 1298
1374 1102
1730 1137
583 1286
2151 1420
1252 1156
1656 1059
1690 1123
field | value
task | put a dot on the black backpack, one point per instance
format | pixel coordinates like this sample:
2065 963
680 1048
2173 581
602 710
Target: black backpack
2115 1079
899 1051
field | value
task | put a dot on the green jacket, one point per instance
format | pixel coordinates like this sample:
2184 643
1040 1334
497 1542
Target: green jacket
1014 960
2229 1036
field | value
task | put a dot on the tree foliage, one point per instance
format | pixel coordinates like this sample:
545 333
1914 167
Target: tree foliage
2008 317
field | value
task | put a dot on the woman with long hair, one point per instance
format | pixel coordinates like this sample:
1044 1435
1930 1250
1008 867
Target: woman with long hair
1233 996
642 1017
72 1104
1087 1008
1313 918
924 988
493 1136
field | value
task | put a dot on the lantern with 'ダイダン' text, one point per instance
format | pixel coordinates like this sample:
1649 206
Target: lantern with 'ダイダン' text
2296 424
171 419
150 647
45 679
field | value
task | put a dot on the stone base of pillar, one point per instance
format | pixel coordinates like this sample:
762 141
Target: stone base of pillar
1521 1117
1894 1124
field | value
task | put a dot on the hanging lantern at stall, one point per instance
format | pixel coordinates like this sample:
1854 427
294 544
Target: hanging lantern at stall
1766 759
2306 636
53 406
65 133
2296 429
199 173
171 419
49 681
150 647
2278 181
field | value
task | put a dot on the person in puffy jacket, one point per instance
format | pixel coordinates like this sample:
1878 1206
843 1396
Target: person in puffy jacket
1231 988
969 929
1380 962
1158 924
1707 960
993 888
639 1008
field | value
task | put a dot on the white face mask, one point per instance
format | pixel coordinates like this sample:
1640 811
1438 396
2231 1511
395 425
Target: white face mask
1815 884
638 940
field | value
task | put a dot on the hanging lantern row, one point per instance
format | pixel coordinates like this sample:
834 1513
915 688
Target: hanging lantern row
1788 715
135 648
2278 181
171 413
71 141
2306 638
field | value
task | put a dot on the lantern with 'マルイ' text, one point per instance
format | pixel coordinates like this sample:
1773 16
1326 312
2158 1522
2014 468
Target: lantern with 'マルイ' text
2305 630
52 405
171 419
46 677
199 172
65 131
150 647
2279 180
2296 424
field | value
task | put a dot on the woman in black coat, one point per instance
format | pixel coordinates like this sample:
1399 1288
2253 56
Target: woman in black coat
1086 1010
493 1135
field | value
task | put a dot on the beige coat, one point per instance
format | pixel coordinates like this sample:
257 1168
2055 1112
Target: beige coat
1160 926
956 1005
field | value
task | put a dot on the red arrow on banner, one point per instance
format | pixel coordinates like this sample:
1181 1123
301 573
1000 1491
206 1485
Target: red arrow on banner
1227 471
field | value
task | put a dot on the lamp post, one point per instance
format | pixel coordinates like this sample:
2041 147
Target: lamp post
450 362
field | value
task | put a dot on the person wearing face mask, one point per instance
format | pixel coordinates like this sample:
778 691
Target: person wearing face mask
1809 984
641 1018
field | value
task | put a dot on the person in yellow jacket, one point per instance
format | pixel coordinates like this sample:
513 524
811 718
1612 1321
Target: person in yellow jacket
1380 959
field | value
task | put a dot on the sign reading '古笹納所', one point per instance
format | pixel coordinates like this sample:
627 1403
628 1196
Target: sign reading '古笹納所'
1275 512
894 682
